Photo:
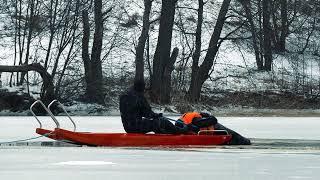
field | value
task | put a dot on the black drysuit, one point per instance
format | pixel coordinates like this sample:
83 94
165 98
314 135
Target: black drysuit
209 120
137 116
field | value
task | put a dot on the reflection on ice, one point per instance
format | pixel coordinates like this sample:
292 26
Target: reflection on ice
299 177
312 167
84 163
40 143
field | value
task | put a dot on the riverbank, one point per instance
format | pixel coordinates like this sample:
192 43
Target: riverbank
220 104
219 112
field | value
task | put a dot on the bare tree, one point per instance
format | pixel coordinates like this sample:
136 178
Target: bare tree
142 41
163 62
202 73
247 7
284 26
47 90
31 7
71 41
93 65
267 35
196 54
16 29
52 28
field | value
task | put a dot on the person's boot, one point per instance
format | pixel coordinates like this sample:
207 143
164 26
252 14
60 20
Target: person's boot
236 139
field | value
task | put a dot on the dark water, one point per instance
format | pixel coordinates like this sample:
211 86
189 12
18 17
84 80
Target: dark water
286 144
267 144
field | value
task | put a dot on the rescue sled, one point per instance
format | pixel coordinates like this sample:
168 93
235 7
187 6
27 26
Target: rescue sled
203 138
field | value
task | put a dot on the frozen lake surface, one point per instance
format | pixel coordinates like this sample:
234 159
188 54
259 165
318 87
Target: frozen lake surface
283 148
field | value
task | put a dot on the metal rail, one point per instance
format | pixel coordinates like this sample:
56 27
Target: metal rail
56 101
213 131
47 110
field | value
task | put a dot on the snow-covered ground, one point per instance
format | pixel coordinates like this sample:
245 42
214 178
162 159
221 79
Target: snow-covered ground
283 148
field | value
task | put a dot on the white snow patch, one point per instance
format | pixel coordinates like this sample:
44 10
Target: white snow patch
313 167
84 163
299 177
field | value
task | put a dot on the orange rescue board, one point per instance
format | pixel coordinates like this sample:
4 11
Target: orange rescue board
133 139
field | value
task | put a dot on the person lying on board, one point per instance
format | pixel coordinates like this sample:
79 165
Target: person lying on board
138 117
196 122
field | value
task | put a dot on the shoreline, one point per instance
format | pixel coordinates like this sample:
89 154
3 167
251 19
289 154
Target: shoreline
223 112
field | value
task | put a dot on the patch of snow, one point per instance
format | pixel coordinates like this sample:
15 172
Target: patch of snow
84 163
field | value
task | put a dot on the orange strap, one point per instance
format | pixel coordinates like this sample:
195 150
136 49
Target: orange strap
188 117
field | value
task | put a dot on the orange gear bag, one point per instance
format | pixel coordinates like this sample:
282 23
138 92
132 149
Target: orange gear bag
188 117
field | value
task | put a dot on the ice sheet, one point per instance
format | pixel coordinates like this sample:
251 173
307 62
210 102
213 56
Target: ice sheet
283 149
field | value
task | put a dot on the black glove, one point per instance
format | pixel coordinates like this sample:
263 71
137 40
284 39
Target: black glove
179 123
204 114
193 128
213 120
181 126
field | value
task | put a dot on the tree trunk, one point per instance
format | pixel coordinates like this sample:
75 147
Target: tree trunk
203 72
196 54
65 38
166 86
274 27
93 65
96 84
52 22
284 25
21 38
47 89
30 22
15 38
247 7
267 34
162 54
58 85
74 26
142 41
85 48
260 34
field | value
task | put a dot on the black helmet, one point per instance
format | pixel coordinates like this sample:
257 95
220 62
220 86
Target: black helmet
139 85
